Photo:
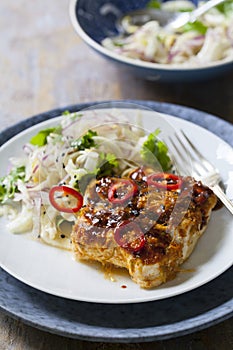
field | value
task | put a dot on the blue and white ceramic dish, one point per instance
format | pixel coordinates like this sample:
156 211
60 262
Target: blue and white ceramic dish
95 20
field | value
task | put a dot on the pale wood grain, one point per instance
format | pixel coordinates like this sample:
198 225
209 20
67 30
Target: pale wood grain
44 64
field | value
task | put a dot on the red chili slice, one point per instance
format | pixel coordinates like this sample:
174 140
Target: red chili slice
166 181
65 199
121 191
129 236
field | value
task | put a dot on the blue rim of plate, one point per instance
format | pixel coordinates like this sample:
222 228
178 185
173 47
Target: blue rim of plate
142 322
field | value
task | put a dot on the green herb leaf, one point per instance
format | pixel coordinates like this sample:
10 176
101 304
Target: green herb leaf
106 167
40 139
154 150
185 9
154 4
108 163
63 226
196 26
118 43
86 141
83 182
8 183
66 112
226 7
72 115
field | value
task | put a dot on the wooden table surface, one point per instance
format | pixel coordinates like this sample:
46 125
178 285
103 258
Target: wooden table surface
44 65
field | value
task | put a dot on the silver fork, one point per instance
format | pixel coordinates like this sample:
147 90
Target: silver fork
202 169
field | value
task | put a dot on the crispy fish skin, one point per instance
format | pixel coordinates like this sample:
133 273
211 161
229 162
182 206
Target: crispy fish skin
171 221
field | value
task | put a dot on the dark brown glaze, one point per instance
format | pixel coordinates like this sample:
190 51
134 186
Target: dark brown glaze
200 193
156 211
218 205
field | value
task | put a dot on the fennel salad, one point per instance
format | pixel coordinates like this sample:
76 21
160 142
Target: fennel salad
207 40
44 188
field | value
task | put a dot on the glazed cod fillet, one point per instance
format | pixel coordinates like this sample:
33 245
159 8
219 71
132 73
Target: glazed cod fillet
151 233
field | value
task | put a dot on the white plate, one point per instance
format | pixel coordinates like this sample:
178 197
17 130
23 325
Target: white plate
54 271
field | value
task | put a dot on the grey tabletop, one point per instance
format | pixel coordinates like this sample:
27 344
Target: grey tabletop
44 65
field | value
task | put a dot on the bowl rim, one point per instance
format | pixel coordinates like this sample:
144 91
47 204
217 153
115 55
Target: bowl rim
135 62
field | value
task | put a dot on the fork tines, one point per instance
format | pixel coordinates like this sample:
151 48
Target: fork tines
189 159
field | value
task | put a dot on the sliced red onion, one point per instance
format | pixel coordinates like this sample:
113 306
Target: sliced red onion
69 125
45 157
172 54
35 168
195 42
30 185
199 37
27 149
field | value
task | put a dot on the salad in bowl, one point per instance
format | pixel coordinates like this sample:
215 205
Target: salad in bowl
199 43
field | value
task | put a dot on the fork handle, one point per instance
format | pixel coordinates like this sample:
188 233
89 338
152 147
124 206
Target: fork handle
204 8
221 195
